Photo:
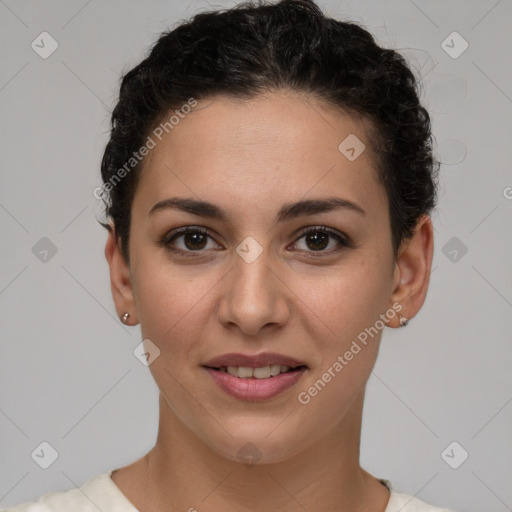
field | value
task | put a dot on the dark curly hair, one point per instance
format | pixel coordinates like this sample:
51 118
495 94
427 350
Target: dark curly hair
256 47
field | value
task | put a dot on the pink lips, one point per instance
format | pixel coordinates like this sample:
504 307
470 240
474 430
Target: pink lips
253 388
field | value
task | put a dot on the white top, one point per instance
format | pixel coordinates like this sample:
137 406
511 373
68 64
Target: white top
101 493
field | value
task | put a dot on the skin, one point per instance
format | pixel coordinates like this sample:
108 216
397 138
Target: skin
250 157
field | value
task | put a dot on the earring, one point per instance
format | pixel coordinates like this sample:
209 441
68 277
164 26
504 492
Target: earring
124 319
403 321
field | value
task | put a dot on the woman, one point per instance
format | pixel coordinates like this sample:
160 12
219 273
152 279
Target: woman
268 184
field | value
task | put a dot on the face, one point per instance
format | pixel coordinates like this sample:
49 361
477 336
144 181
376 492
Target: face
252 279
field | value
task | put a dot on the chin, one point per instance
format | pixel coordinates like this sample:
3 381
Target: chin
257 447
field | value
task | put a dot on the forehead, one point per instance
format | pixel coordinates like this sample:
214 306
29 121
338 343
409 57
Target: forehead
259 150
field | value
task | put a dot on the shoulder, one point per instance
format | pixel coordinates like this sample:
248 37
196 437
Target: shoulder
407 503
60 501
99 492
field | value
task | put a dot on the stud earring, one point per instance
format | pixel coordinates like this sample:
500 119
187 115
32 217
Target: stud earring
403 321
124 319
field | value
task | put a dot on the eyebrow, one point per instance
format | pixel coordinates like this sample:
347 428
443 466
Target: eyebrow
287 212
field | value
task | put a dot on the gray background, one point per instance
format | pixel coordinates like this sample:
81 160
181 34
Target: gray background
68 374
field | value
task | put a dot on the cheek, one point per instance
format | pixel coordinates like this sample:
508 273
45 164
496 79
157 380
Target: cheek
172 303
346 337
346 327
346 299
173 312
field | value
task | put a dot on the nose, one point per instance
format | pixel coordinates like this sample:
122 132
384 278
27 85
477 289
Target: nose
254 297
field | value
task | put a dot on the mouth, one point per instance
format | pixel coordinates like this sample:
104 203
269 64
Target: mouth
256 384
259 362
255 377
261 372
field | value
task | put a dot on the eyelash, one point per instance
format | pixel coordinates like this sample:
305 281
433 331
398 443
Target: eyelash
167 240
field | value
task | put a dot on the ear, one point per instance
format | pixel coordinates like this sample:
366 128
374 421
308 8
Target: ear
412 270
120 279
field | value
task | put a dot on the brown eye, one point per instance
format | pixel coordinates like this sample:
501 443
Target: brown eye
187 240
194 240
318 239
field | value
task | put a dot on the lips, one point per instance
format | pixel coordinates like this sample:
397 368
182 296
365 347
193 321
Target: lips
254 389
253 361
260 387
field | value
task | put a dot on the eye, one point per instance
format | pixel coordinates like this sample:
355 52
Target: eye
316 239
193 239
190 239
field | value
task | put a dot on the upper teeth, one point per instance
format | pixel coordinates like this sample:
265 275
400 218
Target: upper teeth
263 372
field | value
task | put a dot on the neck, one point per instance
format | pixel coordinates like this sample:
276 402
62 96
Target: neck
182 473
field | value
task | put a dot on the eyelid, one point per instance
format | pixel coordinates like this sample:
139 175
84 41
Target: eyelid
171 235
343 240
331 231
